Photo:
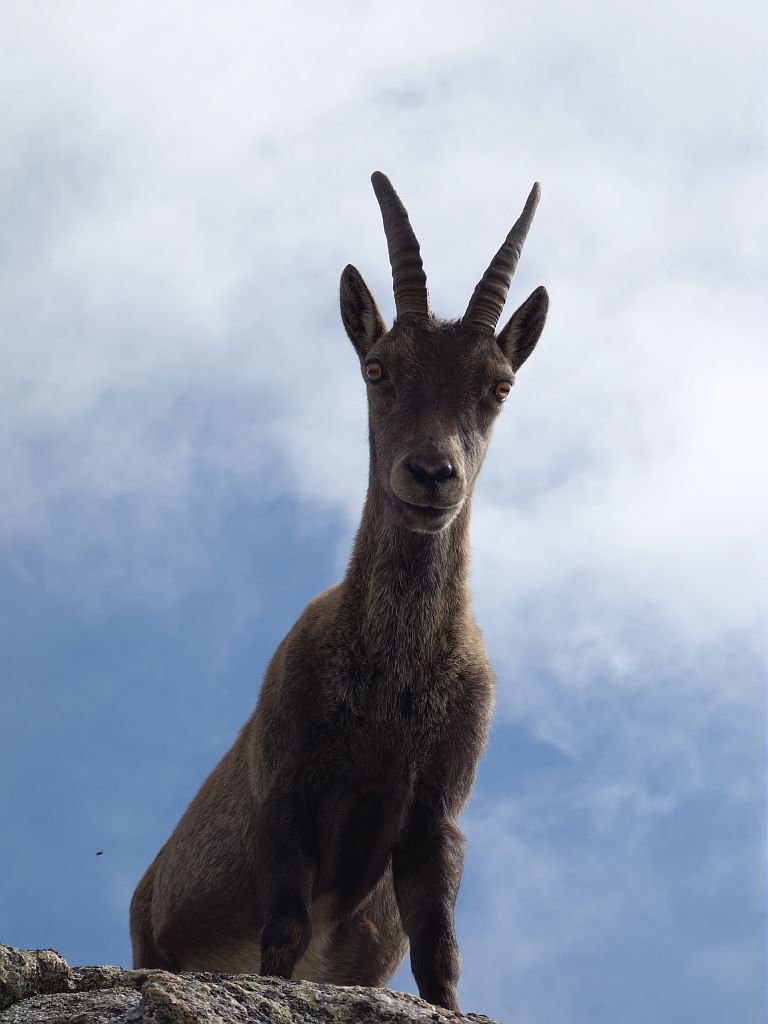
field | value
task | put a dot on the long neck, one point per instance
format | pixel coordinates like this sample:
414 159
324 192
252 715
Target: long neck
407 592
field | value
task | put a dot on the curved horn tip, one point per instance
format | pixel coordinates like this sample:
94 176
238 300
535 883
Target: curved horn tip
380 180
534 195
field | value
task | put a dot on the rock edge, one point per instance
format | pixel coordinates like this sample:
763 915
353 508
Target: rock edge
39 987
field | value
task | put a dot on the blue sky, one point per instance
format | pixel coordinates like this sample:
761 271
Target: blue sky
182 185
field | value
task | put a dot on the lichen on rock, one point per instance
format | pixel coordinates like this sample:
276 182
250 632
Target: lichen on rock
38 987
29 972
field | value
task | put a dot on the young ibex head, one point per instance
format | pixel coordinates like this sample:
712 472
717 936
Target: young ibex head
435 387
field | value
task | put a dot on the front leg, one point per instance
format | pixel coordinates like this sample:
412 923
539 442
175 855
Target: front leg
427 870
286 881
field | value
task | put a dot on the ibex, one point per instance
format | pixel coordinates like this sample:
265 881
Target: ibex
326 840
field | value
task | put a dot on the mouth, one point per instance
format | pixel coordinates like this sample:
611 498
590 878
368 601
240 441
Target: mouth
426 518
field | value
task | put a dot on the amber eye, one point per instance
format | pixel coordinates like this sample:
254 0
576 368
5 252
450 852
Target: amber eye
374 371
502 389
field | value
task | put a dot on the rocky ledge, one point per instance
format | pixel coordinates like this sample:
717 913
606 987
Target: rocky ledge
39 987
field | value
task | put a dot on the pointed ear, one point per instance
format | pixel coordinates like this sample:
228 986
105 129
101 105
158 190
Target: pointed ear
359 312
519 337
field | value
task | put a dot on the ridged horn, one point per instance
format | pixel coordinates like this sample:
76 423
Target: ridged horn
408 278
489 296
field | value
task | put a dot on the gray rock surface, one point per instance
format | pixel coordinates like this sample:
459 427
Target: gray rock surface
38 987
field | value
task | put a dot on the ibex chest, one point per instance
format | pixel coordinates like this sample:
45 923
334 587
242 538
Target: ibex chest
385 728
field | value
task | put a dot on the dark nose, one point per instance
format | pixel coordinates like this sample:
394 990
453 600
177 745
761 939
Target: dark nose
430 469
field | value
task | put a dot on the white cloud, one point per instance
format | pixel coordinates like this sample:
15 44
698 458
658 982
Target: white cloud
184 185
186 194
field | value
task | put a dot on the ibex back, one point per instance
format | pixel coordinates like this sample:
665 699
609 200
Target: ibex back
326 840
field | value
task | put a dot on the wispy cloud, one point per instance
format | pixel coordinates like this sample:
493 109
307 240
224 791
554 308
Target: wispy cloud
183 186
